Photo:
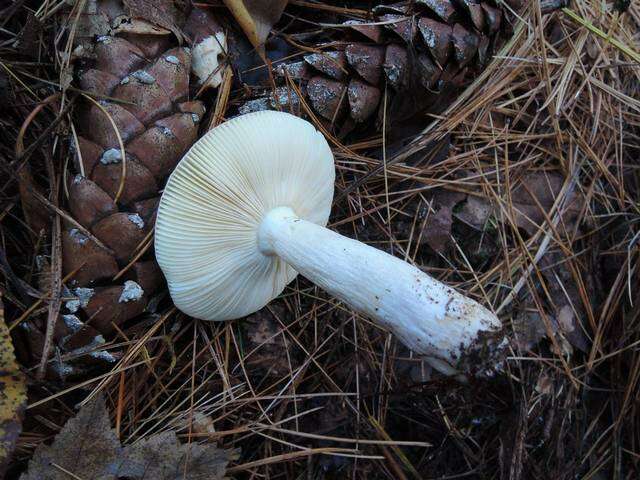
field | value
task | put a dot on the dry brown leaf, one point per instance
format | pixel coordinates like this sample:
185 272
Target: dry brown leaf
437 229
138 26
209 45
91 23
6 93
565 309
532 199
256 18
163 13
13 395
161 456
30 36
268 350
565 302
88 448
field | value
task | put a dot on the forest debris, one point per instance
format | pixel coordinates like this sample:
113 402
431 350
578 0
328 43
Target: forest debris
565 301
92 23
202 424
475 212
127 24
22 288
88 448
29 36
532 199
366 60
256 17
269 352
13 395
437 228
209 43
437 231
363 99
161 456
529 328
37 218
326 96
565 309
159 12
6 91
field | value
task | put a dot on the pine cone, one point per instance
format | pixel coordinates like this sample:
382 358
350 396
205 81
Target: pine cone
112 199
424 51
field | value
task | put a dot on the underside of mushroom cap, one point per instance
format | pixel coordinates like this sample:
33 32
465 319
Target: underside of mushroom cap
215 200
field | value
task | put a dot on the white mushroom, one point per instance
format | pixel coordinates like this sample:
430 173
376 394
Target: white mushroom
205 59
245 211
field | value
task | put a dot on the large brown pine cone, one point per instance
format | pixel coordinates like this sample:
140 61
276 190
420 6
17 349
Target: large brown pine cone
113 200
422 50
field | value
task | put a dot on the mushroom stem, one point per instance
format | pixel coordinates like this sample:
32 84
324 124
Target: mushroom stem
429 317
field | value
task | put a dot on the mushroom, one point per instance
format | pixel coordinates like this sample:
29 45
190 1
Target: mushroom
245 211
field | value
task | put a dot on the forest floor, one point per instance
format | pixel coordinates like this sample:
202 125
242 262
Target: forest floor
524 193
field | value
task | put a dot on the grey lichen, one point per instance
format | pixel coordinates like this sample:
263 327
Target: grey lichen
78 237
72 322
132 292
136 220
112 155
83 296
143 77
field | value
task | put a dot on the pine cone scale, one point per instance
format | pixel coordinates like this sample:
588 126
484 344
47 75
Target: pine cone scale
117 56
102 131
88 202
139 182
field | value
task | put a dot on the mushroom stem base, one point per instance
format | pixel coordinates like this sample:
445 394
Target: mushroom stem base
429 317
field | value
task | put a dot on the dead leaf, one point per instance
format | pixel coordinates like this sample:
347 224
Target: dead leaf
88 448
202 424
126 24
564 308
544 385
565 302
163 13
209 45
161 456
529 329
269 353
13 395
91 23
262 330
30 37
256 18
437 229
475 212
532 197
6 90
22 288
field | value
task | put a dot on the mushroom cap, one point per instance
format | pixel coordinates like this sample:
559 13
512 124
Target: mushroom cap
215 199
